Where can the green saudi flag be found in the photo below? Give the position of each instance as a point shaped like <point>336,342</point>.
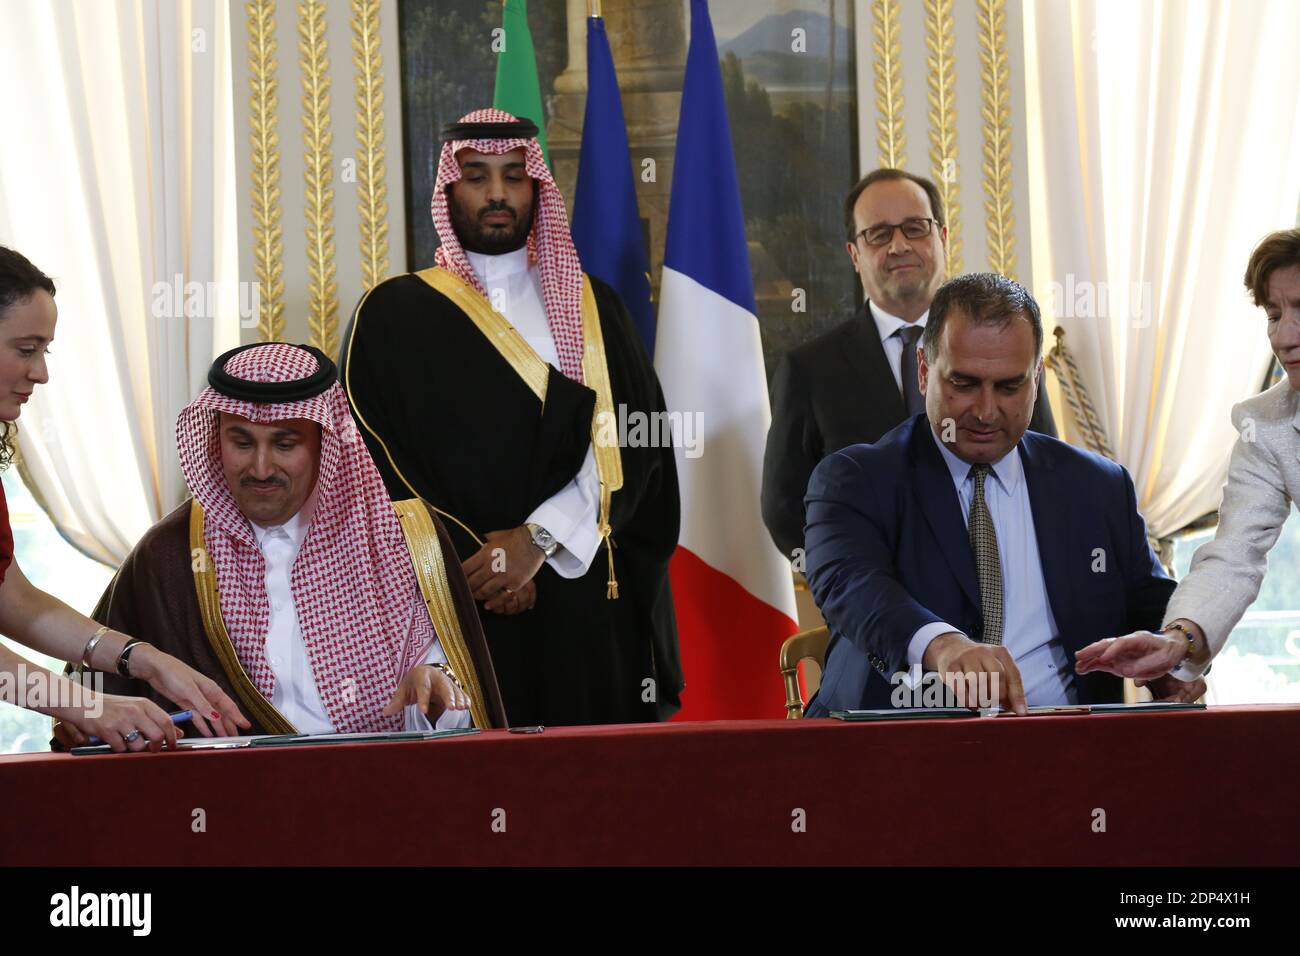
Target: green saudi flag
<point>517,88</point>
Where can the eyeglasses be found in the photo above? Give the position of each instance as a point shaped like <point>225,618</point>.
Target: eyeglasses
<point>880,234</point>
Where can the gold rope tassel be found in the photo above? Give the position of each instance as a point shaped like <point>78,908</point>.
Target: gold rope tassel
<point>607,535</point>
<point>1091,430</point>
<point>611,588</point>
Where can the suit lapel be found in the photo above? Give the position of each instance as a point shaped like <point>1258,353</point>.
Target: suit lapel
<point>868,364</point>
<point>942,508</point>
<point>1052,530</point>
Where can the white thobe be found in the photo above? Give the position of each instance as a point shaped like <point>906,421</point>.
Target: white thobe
<point>572,514</point>
<point>296,694</point>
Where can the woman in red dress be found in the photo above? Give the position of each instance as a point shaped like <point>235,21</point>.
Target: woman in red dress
<point>43,622</point>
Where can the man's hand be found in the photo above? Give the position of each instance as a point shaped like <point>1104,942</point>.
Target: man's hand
<point>192,691</point>
<point>1172,689</point>
<point>432,690</point>
<point>956,658</point>
<point>514,552</point>
<point>1141,655</point>
<point>513,602</point>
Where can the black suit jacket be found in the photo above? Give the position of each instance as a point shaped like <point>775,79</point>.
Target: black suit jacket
<point>834,391</point>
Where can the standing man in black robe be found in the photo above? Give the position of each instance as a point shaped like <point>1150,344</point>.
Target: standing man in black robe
<point>493,386</point>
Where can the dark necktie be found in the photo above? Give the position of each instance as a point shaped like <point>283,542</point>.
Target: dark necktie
<point>988,565</point>
<point>912,397</point>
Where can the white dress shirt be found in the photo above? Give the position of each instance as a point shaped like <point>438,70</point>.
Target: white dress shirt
<point>887,326</point>
<point>296,694</point>
<point>572,514</point>
<point>1029,629</point>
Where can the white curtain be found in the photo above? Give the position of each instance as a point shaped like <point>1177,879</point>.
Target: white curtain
<point>1164,142</point>
<point>117,180</point>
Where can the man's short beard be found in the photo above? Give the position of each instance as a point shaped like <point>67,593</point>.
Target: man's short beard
<point>489,240</point>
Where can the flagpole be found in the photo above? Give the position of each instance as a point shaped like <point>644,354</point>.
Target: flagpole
<point>593,8</point>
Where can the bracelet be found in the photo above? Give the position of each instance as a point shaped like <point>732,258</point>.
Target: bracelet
<point>1191,638</point>
<point>451,675</point>
<point>1183,671</point>
<point>124,659</point>
<point>92,644</point>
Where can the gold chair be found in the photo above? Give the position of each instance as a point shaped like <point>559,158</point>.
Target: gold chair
<point>804,646</point>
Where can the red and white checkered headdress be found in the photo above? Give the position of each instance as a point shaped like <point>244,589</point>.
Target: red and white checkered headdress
<point>359,606</point>
<point>550,244</point>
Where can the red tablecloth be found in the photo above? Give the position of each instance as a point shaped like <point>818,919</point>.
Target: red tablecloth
<point>1219,787</point>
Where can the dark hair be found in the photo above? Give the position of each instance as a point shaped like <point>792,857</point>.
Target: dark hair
<point>1275,251</point>
<point>987,299</point>
<point>885,174</point>
<point>19,280</point>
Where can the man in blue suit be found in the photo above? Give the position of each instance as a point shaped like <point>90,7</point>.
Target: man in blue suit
<point>962,545</point>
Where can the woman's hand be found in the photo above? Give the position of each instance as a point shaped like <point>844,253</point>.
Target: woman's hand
<point>190,690</point>
<point>1141,655</point>
<point>124,723</point>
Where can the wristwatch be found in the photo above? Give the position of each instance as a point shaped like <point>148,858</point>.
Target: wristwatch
<point>124,659</point>
<point>451,675</point>
<point>543,539</point>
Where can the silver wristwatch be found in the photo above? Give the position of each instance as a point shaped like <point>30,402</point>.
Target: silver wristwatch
<point>543,539</point>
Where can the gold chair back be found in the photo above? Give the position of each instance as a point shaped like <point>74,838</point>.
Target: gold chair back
<point>804,646</point>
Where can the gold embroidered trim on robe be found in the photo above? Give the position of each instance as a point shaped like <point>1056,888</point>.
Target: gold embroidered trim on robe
<point>496,328</point>
<point>604,423</point>
<point>431,573</point>
<point>535,371</point>
<point>205,585</point>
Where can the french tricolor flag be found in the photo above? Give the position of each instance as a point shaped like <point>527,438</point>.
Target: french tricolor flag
<point>732,588</point>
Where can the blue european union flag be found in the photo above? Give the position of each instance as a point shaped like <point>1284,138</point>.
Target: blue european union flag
<point>606,221</point>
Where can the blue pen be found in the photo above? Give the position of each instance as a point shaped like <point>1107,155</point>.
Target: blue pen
<point>177,718</point>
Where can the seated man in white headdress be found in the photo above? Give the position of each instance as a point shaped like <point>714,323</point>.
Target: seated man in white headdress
<point>290,578</point>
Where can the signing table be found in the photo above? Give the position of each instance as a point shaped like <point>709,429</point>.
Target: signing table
<point>1217,787</point>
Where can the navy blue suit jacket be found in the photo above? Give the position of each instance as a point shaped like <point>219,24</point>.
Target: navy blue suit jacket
<point>888,552</point>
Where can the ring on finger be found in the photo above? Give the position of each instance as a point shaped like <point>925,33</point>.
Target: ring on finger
<point>132,737</point>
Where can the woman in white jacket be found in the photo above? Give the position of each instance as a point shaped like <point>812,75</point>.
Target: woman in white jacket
<point>1263,479</point>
